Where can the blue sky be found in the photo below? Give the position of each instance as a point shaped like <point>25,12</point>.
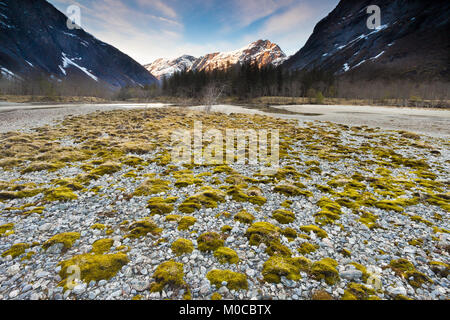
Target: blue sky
<point>151,29</point>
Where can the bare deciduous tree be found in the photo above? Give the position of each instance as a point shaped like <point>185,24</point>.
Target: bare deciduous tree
<point>211,94</point>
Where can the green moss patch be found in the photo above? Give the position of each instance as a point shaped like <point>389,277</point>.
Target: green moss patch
<point>289,233</point>
<point>161,206</point>
<point>283,216</point>
<point>208,198</point>
<point>168,273</point>
<point>406,269</point>
<point>291,190</point>
<point>278,266</point>
<point>182,246</point>
<point>106,168</point>
<point>102,246</point>
<point>235,280</point>
<point>186,222</point>
<point>318,231</point>
<point>93,267</point>
<point>67,239</point>
<point>357,291</point>
<point>226,255</point>
<point>307,248</point>
<point>6,228</point>
<point>325,269</point>
<point>262,232</point>
<point>209,241</point>
<point>152,186</point>
<point>142,228</point>
<point>16,250</point>
<point>244,217</point>
<point>60,194</point>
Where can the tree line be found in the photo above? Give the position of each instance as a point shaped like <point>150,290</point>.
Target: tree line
<point>248,81</point>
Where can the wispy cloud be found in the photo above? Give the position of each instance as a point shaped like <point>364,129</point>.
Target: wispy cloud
<point>289,20</point>
<point>159,6</point>
<point>151,29</point>
<point>247,12</point>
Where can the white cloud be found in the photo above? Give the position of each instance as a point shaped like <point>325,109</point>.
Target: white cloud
<point>151,29</point>
<point>289,20</point>
<point>244,13</point>
<point>160,6</point>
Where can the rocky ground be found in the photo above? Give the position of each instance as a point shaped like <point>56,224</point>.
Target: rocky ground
<point>93,208</point>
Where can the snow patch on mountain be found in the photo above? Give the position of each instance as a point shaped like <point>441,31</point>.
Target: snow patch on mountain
<point>67,62</point>
<point>161,68</point>
<point>263,52</point>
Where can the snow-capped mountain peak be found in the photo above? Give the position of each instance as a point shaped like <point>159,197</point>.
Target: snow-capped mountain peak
<point>166,67</point>
<point>263,52</point>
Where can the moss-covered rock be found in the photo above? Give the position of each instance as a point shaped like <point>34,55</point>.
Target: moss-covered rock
<point>16,250</point>
<point>209,241</point>
<point>161,206</point>
<point>279,266</point>
<point>59,194</point>
<point>108,167</point>
<point>98,226</point>
<point>321,295</point>
<point>262,232</point>
<point>142,228</point>
<point>357,291</point>
<point>186,222</point>
<point>291,190</point>
<point>72,184</point>
<point>168,273</point>
<point>237,194</point>
<point>7,228</point>
<point>283,216</point>
<point>318,231</point>
<point>369,219</point>
<point>67,239</point>
<point>289,233</point>
<point>325,269</point>
<point>416,278</point>
<point>440,268</point>
<point>226,255</point>
<point>216,296</point>
<point>226,229</point>
<point>276,248</point>
<point>234,280</point>
<point>185,178</point>
<point>41,166</point>
<point>93,267</point>
<point>102,246</point>
<point>208,197</point>
<point>152,186</point>
<point>182,246</point>
<point>400,266</point>
<point>256,196</point>
<point>244,217</point>
<point>307,248</point>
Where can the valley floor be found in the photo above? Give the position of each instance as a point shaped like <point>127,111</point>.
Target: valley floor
<point>353,212</point>
<point>432,122</point>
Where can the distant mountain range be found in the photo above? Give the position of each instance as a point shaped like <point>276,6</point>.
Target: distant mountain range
<point>262,52</point>
<point>36,43</point>
<point>411,42</point>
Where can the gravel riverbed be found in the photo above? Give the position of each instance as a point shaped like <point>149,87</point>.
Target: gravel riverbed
<point>380,196</point>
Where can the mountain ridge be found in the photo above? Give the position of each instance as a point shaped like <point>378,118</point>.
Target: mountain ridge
<point>263,52</point>
<point>342,44</point>
<point>36,43</point>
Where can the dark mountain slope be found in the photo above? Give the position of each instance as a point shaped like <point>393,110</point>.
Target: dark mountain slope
<point>411,43</point>
<point>36,43</point>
